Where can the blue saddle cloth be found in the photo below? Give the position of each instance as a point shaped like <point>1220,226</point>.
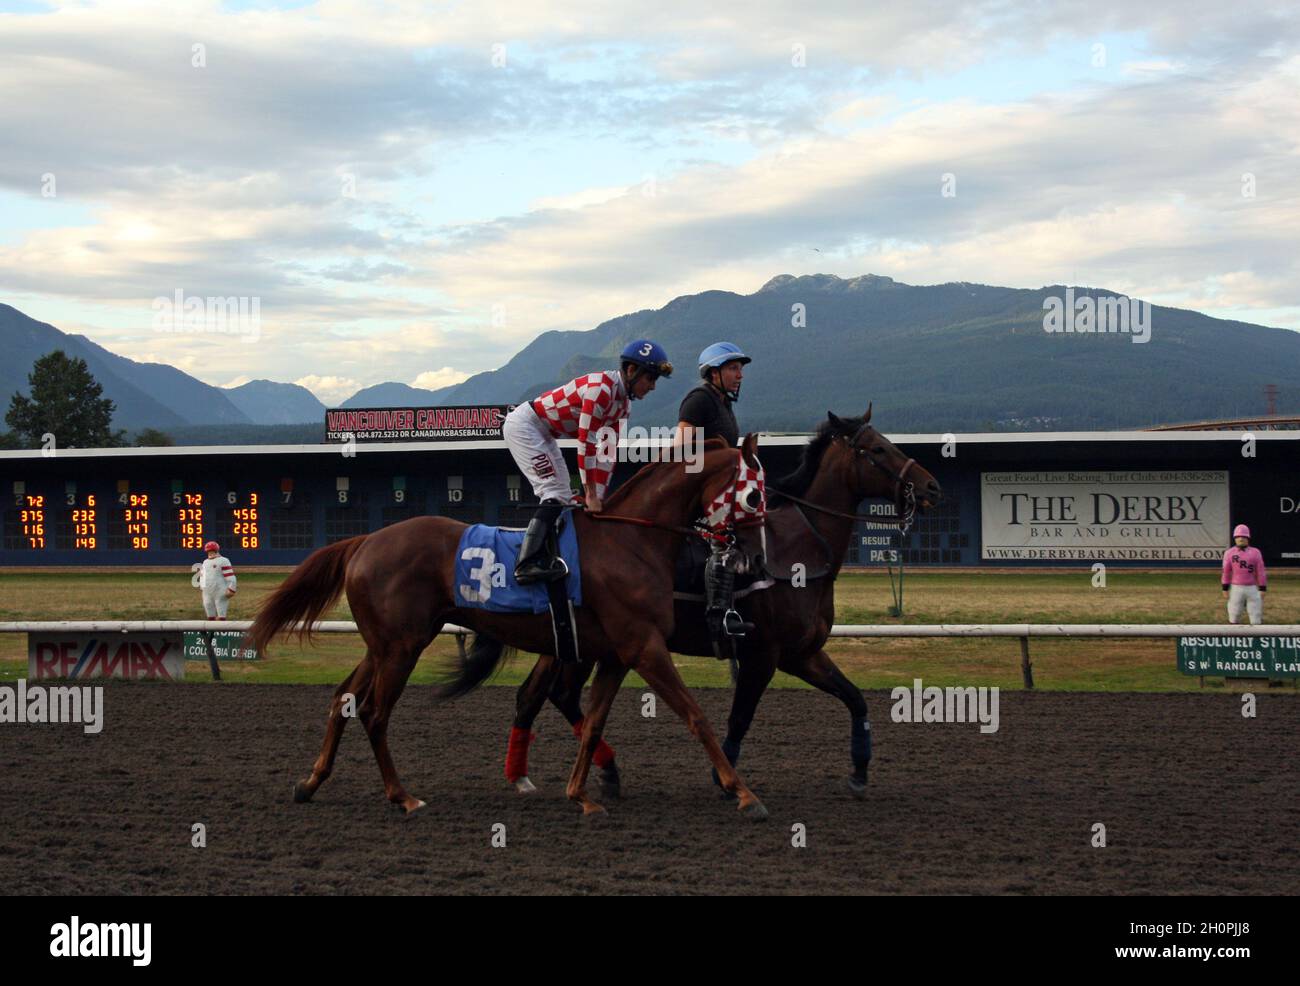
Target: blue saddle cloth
<point>485,570</point>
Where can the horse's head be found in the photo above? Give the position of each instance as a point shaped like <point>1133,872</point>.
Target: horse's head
<point>733,494</point>
<point>679,491</point>
<point>878,468</point>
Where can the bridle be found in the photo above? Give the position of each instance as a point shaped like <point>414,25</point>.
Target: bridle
<point>904,496</point>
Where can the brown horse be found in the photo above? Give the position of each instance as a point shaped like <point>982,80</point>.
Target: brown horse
<point>844,463</point>
<point>399,584</point>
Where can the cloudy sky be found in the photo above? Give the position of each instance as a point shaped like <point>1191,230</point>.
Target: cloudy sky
<point>413,191</point>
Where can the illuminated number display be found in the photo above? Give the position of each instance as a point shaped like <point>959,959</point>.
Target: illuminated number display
<point>242,525</point>
<point>190,520</point>
<point>136,518</point>
<point>81,530</point>
<point>129,524</point>
<point>182,525</point>
<point>25,523</point>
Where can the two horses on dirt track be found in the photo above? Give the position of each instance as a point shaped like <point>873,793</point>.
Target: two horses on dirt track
<point>399,585</point>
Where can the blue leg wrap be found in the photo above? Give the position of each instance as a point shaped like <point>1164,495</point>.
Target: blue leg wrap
<point>860,743</point>
<point>732,749</point>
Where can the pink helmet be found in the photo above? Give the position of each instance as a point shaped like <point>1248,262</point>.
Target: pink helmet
<point>213,546</point>
<point>1241,531</point>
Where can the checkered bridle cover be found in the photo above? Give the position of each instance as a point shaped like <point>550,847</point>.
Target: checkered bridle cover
<point>727,509</point>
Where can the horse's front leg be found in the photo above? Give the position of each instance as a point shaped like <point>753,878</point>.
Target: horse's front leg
<point>609,675</point>
<point>821,672</point>
<point>757,665</point>
<point>566,695</point>
<point>655,665</point>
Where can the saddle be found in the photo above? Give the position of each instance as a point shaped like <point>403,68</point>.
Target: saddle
<point>789,540</point>
<point>792,540</point>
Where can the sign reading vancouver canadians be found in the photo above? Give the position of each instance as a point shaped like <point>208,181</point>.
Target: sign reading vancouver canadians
<point>1105,516</point>
<point>412,424</point>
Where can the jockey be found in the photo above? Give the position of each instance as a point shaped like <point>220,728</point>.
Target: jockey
<point>706,410</point>
<point>580,409</point>
<point>708,406</point>
<point>1244,578</point>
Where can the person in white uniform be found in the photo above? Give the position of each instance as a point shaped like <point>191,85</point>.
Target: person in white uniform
<point>217,582</point>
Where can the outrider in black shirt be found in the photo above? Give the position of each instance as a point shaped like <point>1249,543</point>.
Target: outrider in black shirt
<point>705,407</point>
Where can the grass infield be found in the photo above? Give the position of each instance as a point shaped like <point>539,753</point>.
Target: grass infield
<point>931,597</point>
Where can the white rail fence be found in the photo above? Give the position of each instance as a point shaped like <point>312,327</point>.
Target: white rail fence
<point>1022,631</point>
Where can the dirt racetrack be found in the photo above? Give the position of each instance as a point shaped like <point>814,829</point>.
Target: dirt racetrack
<point>1194,797</point>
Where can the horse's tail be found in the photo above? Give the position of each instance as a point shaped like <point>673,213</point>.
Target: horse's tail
<point>474,668</point>
<point>312,588</point>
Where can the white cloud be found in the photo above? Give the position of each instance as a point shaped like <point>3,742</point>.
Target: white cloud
<point>329,390</point>
<point>434,379</point>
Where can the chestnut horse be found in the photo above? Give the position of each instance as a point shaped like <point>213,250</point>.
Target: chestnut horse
<point>845,462</point>
<point>399,584</point>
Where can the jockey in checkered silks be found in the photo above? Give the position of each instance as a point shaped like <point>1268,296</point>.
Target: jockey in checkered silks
<point>580,409</point>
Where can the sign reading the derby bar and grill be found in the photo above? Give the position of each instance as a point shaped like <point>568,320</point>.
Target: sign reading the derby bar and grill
<point>1104,516</point>
<point>413,424</point>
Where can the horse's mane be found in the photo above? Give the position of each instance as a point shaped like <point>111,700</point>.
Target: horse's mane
<point>638,478</point>
<point>798,481</point>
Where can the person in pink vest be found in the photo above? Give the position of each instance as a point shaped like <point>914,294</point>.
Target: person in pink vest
<point>1244,578</point>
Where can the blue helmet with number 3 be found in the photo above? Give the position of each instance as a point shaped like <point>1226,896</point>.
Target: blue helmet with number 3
<point>648,354</point>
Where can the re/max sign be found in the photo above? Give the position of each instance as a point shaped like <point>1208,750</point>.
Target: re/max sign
<point>152,657</point>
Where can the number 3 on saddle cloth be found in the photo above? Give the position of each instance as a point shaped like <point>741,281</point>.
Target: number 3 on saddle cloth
<point>484,579</point>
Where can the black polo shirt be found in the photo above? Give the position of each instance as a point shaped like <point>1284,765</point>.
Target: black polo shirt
<point>708,408</point>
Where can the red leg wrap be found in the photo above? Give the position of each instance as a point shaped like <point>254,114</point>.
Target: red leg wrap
<point>604,754</point>
<point>517,753</point>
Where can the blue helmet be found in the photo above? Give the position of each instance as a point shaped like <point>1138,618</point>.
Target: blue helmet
<point>648,354</point>
<point>718,354</point>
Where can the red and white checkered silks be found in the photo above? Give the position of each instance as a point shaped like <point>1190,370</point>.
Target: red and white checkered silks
<point>580,409</point>
<point>728,508</point>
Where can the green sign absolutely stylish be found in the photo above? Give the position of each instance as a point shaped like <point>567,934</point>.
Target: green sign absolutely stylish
<point>225,644</point>
<point>1245,657</point>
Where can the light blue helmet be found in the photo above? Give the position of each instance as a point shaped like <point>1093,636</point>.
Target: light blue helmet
<point>718,354</point>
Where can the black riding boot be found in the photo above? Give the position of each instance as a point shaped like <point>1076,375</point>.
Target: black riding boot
<point>720,612</point>
<point>537,559</point>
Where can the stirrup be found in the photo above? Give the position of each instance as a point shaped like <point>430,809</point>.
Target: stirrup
<point>536,570</point>
<point>734,625</point>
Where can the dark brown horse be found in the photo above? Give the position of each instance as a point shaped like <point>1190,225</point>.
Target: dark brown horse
<point>399,584</point>
<point>846,462</point>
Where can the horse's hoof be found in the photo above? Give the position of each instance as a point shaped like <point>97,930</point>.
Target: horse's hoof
<point>524,786</point>
<point>755,812</point>
<point>611,785</point>
<point>858,788</point>
<point>591,809</point>
<point>411,809</point>
<point>301,793</point>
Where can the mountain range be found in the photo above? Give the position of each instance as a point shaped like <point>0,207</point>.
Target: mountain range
<point>948,357</point>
